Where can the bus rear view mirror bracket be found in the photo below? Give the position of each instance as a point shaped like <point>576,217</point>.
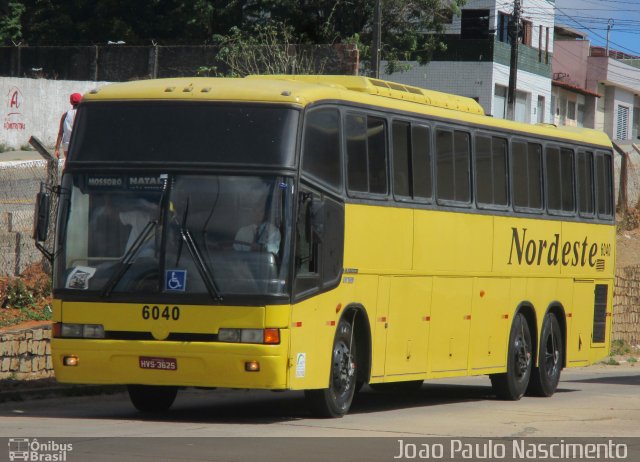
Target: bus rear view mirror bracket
<point>42,214</point>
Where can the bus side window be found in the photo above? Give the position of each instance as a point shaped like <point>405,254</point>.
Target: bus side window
<point>559,176</point>
<point>321,147</point>
<point>411,161</point>
<point>603,185</point>
<point>319,243</point>
<point>526,160</point>
<point>585,183</point>
<point>366,154</point>
<point>453,165</point>
<point>491,170</point>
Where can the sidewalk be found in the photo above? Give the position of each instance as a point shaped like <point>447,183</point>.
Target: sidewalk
<point>17,156</point>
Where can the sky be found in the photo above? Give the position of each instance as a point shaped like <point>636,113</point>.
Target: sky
<point>592,17</point>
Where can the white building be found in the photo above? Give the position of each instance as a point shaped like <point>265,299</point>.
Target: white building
<point>476,62</point>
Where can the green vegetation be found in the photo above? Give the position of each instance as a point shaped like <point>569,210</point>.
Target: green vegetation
<point>173,22</point>
<point>610,361</point>
<point>619,348</point>
<point>27,298</point>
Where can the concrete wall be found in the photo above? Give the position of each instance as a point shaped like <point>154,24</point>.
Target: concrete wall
<point>34,107</point>
<point>570,57</point>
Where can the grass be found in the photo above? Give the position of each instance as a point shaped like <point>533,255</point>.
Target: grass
<point>620,348</point>
<point>610,361</point>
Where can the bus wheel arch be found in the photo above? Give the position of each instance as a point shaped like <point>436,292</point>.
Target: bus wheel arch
<point>551,353</point>
<point>350,365</point>
<point>512,385</point>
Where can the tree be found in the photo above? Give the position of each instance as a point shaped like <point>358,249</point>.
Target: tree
<point>410,28</point>
<point>10,21</point>
<point>267,49</point>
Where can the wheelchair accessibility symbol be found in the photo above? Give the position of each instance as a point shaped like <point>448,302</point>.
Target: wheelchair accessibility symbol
<point>175,280</point>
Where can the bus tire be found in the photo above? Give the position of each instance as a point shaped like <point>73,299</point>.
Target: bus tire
<point>335,401</point>
<point>512,385</point>
<point>152,398</point>
<point>545,377</point>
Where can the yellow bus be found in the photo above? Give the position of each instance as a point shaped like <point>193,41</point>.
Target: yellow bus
<point>320,233</point>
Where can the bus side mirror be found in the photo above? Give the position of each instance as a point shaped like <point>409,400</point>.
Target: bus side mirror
<point>41,216</point>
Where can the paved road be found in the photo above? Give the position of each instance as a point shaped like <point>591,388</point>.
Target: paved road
<point>599,401</point>
<point>595,401</point>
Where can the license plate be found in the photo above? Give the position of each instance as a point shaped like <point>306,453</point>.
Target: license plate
<point>164,364</point>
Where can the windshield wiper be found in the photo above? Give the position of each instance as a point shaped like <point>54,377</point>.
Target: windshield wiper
<point>128,258</point>
<point>196,255</point>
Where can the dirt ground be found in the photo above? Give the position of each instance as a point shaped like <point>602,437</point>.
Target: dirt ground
<point>628,248</point>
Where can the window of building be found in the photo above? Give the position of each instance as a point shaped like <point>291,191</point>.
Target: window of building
<point>475,24</point>
<point>500,102</point>
<point>527,32</point>
<point>585,183</point>
<point>503,27</point>
<point>571,110</point>
<point>526,162</point>
<point>321,147</point>
<point>622,130</point>
<point>491,170</point>
<point>580,115</point>
<point>366,154</point>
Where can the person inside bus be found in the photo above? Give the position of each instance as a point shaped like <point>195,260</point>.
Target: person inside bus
<point>261,235</point>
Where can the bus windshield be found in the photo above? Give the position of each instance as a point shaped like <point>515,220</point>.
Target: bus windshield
<point>203,235</point>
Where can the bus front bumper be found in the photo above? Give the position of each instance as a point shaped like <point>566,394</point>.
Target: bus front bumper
<point>198,364</point>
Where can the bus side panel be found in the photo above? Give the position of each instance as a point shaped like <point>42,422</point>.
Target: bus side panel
<point>450,325</point>
<point>313,326</point>
<point>408,327</point>
<point>452,242</point>
<point>581,323</point>
<point>378,238</point>
<point>490,324</point>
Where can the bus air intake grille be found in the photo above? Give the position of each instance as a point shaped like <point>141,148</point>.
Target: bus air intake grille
<point>173,337</point>
<point>600,313</point>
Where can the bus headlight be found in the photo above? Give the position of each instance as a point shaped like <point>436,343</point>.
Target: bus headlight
<point>66,330</point>
<point>268,336</point>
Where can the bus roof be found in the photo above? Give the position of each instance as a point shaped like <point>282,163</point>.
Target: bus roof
<point>303,90</point>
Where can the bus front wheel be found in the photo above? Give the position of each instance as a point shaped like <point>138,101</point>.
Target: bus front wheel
<point>335,401</point>
<point>512,385</point>
<point>545,377</point>
<point>148,398</point>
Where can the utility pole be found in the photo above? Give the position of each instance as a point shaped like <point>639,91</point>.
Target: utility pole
<point>514,35</point>
<point>609,27</point>
<point>377,40</point>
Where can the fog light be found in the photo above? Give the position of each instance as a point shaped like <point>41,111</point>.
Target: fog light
<point>252,366</point>
<point>70,360</point>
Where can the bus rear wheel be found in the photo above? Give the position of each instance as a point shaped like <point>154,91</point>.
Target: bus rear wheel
<point>335,401</point>
<point>545,377</point>
<point>151,398</point>
<point>512,385</point>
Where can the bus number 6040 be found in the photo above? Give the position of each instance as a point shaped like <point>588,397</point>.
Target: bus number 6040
<point>155,312</point>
